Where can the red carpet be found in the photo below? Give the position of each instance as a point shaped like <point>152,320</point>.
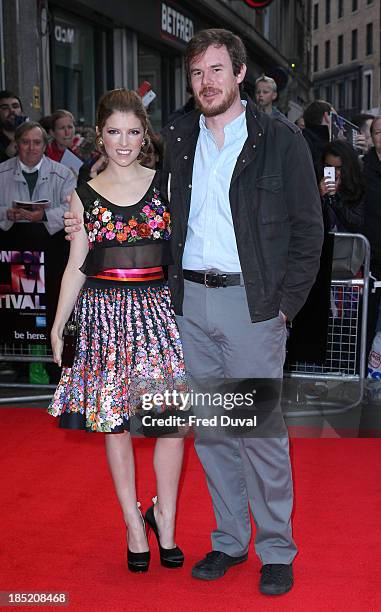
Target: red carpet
<point>61,528</point>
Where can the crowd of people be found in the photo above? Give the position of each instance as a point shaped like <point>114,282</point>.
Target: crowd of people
<point>234,208</point>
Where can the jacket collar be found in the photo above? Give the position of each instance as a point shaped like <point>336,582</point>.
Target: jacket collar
<point>371,159</point>
<point>43,172</point>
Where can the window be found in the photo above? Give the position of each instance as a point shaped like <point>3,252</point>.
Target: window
<point>317,93</point>
<point>340,9</point>
<point>316,16</point>
<point>368,91</point>
<point>369,1</point>
<point>340,48</point>
<point>316,58</point>
<point>354,45</point>
<point>327,11</point>
<point>328,94</point>
<point>74,52</point>
<point>369,38</point>
<point>353,93</point>
<point>327,53</point>
<point>341,95</point>
<point>354,5</point>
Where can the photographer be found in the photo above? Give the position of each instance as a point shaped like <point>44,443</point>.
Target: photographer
<point>11,116</point>
<point>343,200</point>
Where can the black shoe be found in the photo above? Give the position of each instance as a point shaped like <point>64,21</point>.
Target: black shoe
<point>169,557</point>
<point>276,579</point>
<point>215,565</point>
<point>138,562</point>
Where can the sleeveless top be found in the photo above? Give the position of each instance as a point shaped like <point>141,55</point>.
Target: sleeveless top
<point>135,236</point>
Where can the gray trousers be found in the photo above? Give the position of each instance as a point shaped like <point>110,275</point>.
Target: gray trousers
<point>220,341</point>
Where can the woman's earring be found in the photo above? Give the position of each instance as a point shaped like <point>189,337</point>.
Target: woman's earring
<point>143,144</point>
<point>100,142</point>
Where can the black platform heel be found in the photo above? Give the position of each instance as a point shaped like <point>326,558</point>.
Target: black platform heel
<point>138,562</point>
<point>169,557</point>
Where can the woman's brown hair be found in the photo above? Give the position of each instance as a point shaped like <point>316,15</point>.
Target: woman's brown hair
<point>60,114</point>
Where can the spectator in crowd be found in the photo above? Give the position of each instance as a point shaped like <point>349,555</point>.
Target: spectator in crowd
<point>31,176</point>
<point>265,94</point>
<point>364,139</point>
<point>372,219</point>
<point>343,203</point>
<point>46,123</point>
<point>300,122</point>
<point>185,109</point>
<point>154,155</point>
<point>316,131</point>
<point>62,131</point>
<point>343,200</point>
<point>11,115</point>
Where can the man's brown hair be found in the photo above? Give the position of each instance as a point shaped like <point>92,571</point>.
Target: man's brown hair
<point>216,37</point>
<point>26,127</point>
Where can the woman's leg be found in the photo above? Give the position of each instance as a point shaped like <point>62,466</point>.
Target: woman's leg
<point>120,458</point>
<point>168,459</point>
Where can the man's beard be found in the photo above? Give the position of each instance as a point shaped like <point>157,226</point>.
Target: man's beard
<point>225,104</point>
<point>8,124</point>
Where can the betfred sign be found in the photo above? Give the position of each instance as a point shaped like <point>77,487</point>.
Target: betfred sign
<point>257,5</point>
<point>176,24</point>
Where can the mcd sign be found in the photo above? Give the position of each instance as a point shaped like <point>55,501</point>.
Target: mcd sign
<point>258,5</point>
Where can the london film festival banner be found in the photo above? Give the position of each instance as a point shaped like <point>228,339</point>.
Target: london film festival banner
<point>31,268</point>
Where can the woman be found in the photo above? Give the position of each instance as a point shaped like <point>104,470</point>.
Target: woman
<point>342,199</point>
<point>342,202</point>
<point>62,131</point>
<point>128,341</point>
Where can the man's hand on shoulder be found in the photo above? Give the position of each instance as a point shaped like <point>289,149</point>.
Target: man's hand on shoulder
<point>72,224</point>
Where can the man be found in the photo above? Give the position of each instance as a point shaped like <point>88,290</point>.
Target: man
<point>372,222</point>
<point>30,176</point>
<point>11,116</point>
<point>265,94</point>
<point>247,234</point>
<point>316,131</point>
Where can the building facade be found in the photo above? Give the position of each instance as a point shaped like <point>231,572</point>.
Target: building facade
<point>66,53</point>
<point>346,54</point>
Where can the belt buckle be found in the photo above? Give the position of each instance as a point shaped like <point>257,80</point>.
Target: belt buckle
<point>218,280</point>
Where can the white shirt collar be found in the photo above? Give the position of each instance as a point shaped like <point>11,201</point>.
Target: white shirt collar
<point>29,169</point>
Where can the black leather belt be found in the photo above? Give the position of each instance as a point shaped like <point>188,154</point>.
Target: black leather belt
<point>212,279</point>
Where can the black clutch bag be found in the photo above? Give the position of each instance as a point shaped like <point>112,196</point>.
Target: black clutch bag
<point>69,336</point>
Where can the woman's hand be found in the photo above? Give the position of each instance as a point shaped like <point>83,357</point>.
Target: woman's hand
<point>57,346</point>
<point>328,187</point>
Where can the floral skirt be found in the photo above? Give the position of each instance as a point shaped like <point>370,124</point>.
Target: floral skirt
<point>128,345</point>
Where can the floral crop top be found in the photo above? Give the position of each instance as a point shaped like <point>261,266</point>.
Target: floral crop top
<point>143,229</point>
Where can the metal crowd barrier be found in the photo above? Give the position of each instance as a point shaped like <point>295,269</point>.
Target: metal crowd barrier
<point>346,358</point>
<point>23,354</point>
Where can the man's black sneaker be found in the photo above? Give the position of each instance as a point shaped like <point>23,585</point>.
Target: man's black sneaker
<point>215,565</point>
<point>276,579</point>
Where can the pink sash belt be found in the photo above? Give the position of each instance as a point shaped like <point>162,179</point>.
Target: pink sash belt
<point>131,274</point>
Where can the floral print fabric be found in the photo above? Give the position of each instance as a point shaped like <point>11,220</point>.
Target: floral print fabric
<point>128,345</point>
<point>152,221</point>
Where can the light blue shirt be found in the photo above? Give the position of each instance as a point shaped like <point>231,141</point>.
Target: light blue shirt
<point>211,241</point>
